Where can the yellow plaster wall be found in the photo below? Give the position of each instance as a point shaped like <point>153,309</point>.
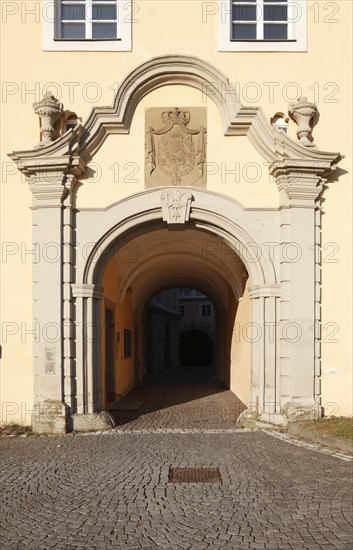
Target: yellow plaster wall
<point>234,168</point>
<point>124,318</point>
<point>240,350</point>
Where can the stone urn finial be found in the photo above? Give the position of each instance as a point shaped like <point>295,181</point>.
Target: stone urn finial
<point>50,110</point>
<point>302,112</point>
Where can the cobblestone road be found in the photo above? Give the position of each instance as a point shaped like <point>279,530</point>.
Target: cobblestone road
<point>112,491</point>
<point>187,399</point>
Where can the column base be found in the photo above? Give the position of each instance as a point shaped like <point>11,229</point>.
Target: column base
<point>51,417</point>
<point>92,422</point>
<point>296,411</point>
<point>276,419</point>
<point>291,412</point>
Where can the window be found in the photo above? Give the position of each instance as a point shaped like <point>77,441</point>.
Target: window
<point>127,343</point>
<point>69,121</point>
<point>206,310</point>
<point>280,121</point>
<point>87,25</point>
<point>182,310</point>
<point>262,25</point>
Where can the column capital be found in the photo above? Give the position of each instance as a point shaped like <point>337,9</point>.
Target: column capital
<point>301,180</point>
<point>84,290</point>
<point>264,291</point>
<point>52,172</point>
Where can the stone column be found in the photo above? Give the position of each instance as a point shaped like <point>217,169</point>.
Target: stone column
<point>51,411</point>
<point>265,353</point>
<point>87,299</point>
<point>53,183</point>
<point>299,186</point>
<point>68,275</point>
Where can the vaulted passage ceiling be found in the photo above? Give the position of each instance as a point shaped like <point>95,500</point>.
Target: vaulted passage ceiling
<point>163,259</point>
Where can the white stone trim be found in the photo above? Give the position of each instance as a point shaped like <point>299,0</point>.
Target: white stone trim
<point>87,291</point>
<point>264,291</point>
<point>211,212</point>
<point>50,44</point>
<point>298,31</point>
<point>238,120</point>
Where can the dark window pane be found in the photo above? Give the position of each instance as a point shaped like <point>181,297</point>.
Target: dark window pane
<point>247,1</point>
<point>275,32</point>
<point>73,13</point>
<point>244,13</point>
<point>276,13</point>
<point>243,32</point>
<point>274,1</point>
<point>102,30</point>
<point>73,31</point>
<point>127,343</point>
<point>104,12</point>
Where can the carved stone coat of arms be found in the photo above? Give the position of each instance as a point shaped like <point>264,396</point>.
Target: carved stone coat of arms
<point>175,153</point>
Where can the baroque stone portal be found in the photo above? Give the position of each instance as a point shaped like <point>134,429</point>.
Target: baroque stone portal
<point>175,154</point>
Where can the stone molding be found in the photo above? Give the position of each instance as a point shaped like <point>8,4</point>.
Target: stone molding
<point>268,140</point>
<point>301,180</point>
<point>87,291</point>
<point>50,178</point>
<point>210,211</point>
<point>264,291</point>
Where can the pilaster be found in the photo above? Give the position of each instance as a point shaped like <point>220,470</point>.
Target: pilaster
<point>264,299</point>
<point>53,183</point>
<point>300,184</point>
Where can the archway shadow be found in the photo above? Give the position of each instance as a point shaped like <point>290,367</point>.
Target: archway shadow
<point>180,398</point>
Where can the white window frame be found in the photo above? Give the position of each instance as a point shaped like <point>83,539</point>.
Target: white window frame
<point>297,30</point>
<point>51,20</point>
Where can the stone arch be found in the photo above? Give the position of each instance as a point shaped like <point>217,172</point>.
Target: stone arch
<point>218,214</point>
<point>198,73</point>
<point>209,214</point>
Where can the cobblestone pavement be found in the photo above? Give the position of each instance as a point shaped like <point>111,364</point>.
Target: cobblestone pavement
<point>187,399</point>
<point>112,491</point>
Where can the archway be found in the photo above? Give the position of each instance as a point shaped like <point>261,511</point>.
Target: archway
<point>140,280</point>
<point>190,259</point>
<point>209,293</point>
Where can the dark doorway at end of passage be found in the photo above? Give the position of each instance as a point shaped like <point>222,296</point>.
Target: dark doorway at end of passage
<point>195,349</point>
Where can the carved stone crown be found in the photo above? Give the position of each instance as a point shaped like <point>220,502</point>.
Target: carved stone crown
<point>176,116</point>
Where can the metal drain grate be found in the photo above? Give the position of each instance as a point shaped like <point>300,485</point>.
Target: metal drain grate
<point>194,475</point>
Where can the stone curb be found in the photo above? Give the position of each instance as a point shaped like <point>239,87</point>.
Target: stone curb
<point>322,439</point>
